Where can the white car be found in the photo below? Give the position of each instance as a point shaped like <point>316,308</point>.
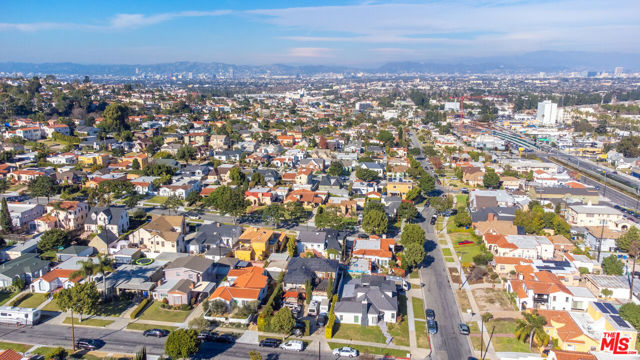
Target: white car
<point>293,345</point>
<point>345,351</point>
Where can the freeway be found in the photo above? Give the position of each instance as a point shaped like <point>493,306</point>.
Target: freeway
<point>127,341</point>
<point>438,294</point>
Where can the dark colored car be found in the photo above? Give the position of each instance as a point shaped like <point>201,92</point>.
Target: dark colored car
<point>88,344</point>
<point>205,336</point>
<point>431,315</point>
<point>433,220</point>
<point>322,319</point>
<point>298,330</point>
<point>270,342</point>
<point>156,332</point>
<point>225,338</point>
<point>464,329</point>
<point>432,325</point>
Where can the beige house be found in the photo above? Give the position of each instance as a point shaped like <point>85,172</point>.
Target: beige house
<point>66,215</point>
<point>161,234</point>
<point>219,142</point>
<point>596,215</point>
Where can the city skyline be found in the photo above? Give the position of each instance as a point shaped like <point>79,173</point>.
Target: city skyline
<point>335,33</point>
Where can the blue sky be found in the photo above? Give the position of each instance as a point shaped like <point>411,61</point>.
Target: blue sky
<point>309,32</point>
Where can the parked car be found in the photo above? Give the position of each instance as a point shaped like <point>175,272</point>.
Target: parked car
<point>298,330</point>
<point>432,325</point>
<point>322,319</point>
<point>464,329</point>
<point>431,315</point>
<point>464,191</point>
<point>293,345</point>
<point>433,220</point>
<point>313,308</point>
<point>89,344</point>
<point>345,351</point>
<point>405,285</point>
<point>205,336</point>
<point>270,342</point>
<point>156,332</point>
<point>225,338</point>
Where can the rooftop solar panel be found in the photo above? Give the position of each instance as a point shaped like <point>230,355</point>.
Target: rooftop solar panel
<point>612,309</point>
<point>620,321</point>
<point>601,307</point>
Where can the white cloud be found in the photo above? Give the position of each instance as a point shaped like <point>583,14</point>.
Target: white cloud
<point>311,52</point>
<point>118,22</point>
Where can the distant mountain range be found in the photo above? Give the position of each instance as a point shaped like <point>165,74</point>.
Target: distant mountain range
<point>541,61</point>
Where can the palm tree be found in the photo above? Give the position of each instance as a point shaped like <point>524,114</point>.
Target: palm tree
<point>532,325</point>
<point>86,269</point>
<point>102,266</point>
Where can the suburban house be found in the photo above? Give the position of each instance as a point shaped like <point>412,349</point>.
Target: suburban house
<point>367,301</point>
<point>144,184</point>
<point>325,243</point>
<point>522,246</point>
<point>114,219</point>
<point>541,290</point>
<point>194,268</point>
<point>597,215</point>
<point>162,234</point>
<point>27,267</point>
<point>299,270</point>
<point>24,215</point>
<point>399,188</point>
<point>259,196</point>
<point>243,286</point>
<point>257,243</point>
<point>379,251</point>
<point>67,215</point>
<point>213,236</point>
<point>53,280</point>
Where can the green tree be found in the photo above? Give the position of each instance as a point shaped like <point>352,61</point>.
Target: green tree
<point>218,307</point>
<point>307,291</point>
<point>462,218</point>
<point>440,203</point>
<point>227,201</point>
<point>412,234</point>
<point>193,197</point>
<point>102,266</point>
<point>294,211</point>
<point>375,222</point>
<point>53,239</point>
<point>407,211</point>
<point>274,213</point>
<point>366,174</point>
<point>87,269</point>
<point>611,265</point>
<point>532,325</point>
<point>186,153</point>
<point>5,218</point>
<point>491,180</point>
<point>630,242</point>
<point>42,186</point>
<point>291,246</point>
<point>236,176</point>
<point>132,200</point>
<point>631,313</point>
<point>413,254</point>
<point>173,202</point>
<point>283,321</point>
<point>82,298</point>
<point>182,343</point>
<point>335,169</point>
<point>257,179</point>
<point>330,287</point>
<point>426,182</point>
<point>606,293</point>
<point>386,137</point>
<point>629,146</point>
<point>135,164</point>
<point>115,118</point>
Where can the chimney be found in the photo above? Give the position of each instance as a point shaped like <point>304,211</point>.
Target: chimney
<point>491,217</point>
<point>520,277</point>
<point>218,224</point>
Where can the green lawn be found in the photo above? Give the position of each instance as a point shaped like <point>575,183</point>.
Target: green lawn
<point>506,326</point>
<point>156,199</point>
<point>14,346</point>
<point>372,350</point>
<point>418,308</point>
<point>88,322</point>
<point>466,251</point>
<point>461,199</point>
<point>360,333</point>
<point>449,259</point>
<point>155,312</point>
<point>6,296</point>
<point>44,351</point>
<point>32,301</point>
<point>473,327</point>
<point>475,341</point>
<point>446,251</point>
<point>51,306</point>
<point>402,305</point>
<point>414,275</point>
<point>113,308</point>
<point>439,224</point>
<point>143,327</point>
<point>509,344</point>
<point>421,334</point>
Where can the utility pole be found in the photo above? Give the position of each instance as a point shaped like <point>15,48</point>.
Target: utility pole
<point>489,343</point>
<point>600,240</point>
<point>482,335</point>
<point>604,192</point>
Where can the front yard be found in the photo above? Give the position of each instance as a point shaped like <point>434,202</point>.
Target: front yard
<point>6,296</point>
<point>14,346</point>
<point>143,327</point>
<point>155,312</point>
<point>33,300</point>
<point>421,334</point>
<point>359,333</point>
<point>418,308</point>
<point>492,300</point>
<point>113,308</point>
<point>88,322</point>
<point>400,332</point>
<point>466,251</point>
<point>510,344</point>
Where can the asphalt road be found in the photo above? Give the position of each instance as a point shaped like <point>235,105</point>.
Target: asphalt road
<point>126,341</point>
<point>438,295</point>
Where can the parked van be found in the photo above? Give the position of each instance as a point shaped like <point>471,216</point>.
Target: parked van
<point>313,308</point>
<point>293,345</point>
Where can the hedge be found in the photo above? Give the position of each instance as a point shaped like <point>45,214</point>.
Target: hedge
<point>140,307</point>
<point>328,330</point>
<point>307,328</point>
<point>20,299</point>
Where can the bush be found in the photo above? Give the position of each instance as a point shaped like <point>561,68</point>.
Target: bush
<point>20,299</point>
<point>140,307</point>
<point>185,307</point>
<point>262,322</point>
<point>58,353</point>
<point>307,328</point>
